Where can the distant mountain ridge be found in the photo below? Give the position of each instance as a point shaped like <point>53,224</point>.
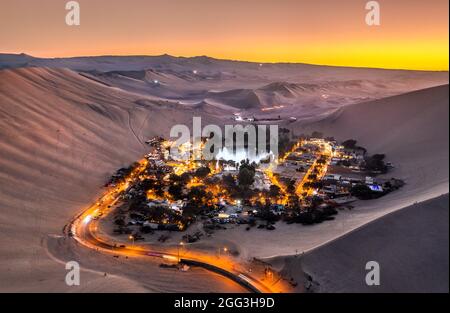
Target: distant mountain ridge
<point>142,62</point>
<point>281,89</point>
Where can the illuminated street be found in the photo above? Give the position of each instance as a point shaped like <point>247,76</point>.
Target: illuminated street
<point>297,183</point>
<point>84,230</point>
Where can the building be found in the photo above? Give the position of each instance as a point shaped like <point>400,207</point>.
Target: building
<point>334,177</point>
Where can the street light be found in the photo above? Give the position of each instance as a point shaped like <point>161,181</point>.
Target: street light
<point>225,249</point>
<point>179,246</point>
<point>268,273</point>
<point>131,237</point>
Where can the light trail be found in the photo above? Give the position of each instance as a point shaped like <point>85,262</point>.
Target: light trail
<point>84,230</point>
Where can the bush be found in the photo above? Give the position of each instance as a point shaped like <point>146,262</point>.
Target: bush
<point>176,191</point>
<point>376,163</point>
<point>274,191</point>
<point>349,144</point>
<point>197,195</point>
<point>185,178</point>
<point>246,177</point>
<point>202,172</point>
<point>362,192</point>
<point>228,181</point>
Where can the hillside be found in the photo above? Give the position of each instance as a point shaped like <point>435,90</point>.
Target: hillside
<point>411,129</point>
<point>302,90</point>
<point>61,136</point>
<point>410,245</point>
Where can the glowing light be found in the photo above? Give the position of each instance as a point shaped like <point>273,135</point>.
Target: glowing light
<point>170,257</point>
<point>242,155</point>
<point>87,219</point>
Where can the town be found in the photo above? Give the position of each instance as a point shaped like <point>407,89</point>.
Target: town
<point>314,179</point>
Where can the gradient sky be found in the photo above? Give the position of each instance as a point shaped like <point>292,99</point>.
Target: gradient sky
<point>413,33</point>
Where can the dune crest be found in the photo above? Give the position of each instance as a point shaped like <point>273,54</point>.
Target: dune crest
<point>64,132</point>
<point>61,137</point>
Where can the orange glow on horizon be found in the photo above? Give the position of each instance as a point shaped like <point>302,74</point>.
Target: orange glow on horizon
<point>413,33</point>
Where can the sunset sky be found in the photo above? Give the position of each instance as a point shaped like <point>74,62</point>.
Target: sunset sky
<point>413,33</point>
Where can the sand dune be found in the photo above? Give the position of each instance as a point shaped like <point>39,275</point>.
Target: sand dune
<point>411,247</point>
<point>412,130</point>
<point>210,65</point>
<point>62,135</point>
<point>304,89</point>
<point>237,98</point>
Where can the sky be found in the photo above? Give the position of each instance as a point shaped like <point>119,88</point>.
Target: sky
<point>413,33</point>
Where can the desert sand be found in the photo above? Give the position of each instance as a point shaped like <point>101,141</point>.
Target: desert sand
<point>61,137</point>
<point>303,89</point>
<point>63,133</point>
<point>412,130</point>
<point>410,245</point>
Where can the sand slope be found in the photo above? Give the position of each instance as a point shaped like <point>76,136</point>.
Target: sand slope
<point>410,245</point>
<point>412,130</point>
<point>303,89</point>
<point>61,136</point>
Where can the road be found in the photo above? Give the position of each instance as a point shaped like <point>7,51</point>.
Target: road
<point>300,190</point>
<point>84,229</point>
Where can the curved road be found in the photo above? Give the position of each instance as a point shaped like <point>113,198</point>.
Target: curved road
<point>83,229</point>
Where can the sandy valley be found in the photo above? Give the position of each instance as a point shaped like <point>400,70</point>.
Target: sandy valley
<point>67,124</point>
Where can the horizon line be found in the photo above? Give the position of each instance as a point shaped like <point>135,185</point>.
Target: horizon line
<point>229,60</point>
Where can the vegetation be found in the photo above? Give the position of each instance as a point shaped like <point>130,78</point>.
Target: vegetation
<point>176,191</point>
<point>375,163</point>
<point>363,192</point>
<point>199,193</point>
<point>349,144</point>
<point>274,191</point>
<point>246,176</point>
<point>202,172</point>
